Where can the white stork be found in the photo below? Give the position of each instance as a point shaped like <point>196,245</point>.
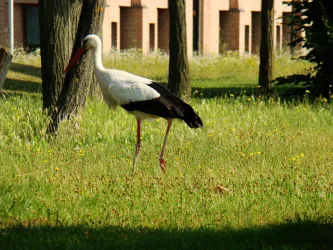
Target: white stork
<point>139,96</point>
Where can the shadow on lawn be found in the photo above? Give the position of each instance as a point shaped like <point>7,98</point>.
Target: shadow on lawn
<point>285,92</point>
<point>294,235</point>
<point>33,87</point>
<point>21,86</point>
<point>26,69</point>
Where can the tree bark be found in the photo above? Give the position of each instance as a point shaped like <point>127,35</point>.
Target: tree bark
<point>58,23</point>
<point>179,81</point>
<point>266,45</point>
<point>78,80</point>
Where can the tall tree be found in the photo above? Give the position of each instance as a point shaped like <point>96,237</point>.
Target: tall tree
<point>266,45</point>
<point>76,84</point>
<point>179,81</point>
<point>58,23</point>
<point>315,20</point>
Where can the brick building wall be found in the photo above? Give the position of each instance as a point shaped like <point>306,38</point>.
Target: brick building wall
<point>256,32</point>
<point>3,26</point>
<point>145,24</point>
<point>286,29</point>
<point>163,30</point>
<point>18,25</point>
<point>19,22</point>
<point>229,30</point>
<point>131,28</point>
<point>210,25</point>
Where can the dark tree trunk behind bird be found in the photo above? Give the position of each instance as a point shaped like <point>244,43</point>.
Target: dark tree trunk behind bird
<point>266,45</point>
<point>58,24</point>
<point>179,81</point>
<point>77,81</point>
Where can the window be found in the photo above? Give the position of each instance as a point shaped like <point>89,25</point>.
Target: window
<point>247,38</point>
<point>278,36</point>
<point>114,35</point>
<point>32,25</point>
<point>152,36</point>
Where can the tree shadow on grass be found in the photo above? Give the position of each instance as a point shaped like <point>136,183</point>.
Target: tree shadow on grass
<point>22,86</point>
<point>293,235</point>
<point>284,92</point>
<point>26,69</point>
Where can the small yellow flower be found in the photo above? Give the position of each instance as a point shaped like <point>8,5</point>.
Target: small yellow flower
<point>258,153</point>
<point>302,154</point>
<point>231,95</point>
<point>57,169</point>
<point>307,91</point>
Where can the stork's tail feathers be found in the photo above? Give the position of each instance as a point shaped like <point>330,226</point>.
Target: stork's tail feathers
<point>191,118</point>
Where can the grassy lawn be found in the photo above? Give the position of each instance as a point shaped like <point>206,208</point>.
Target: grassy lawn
<point>258,175</point>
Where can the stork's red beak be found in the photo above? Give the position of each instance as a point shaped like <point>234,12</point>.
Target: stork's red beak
<point>80,52</point>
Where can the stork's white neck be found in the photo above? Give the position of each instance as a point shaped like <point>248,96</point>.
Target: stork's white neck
<point>97,58</point>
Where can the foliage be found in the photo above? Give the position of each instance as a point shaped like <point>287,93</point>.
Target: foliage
<point>315,19</point>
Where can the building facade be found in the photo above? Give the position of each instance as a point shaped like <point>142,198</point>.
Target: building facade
<point>213,26</point>
<point>26,25</point>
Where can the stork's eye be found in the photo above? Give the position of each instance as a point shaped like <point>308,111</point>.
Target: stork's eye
<point>85,42</point>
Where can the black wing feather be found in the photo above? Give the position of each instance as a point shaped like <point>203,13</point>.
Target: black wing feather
<point>167,106</point>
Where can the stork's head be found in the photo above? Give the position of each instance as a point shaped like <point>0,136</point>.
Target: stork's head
<point>89,42</point>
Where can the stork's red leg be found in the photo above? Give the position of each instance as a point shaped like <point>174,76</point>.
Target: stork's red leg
<point>138,144</point>
<point>162,161</point>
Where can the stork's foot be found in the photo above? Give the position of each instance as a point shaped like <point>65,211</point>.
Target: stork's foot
<point>162,165</point>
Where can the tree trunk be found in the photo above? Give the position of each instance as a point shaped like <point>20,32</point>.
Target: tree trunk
<point>58,24</point>
<point>78,80</point>
<point>266,46</point>
<point>179,81</point>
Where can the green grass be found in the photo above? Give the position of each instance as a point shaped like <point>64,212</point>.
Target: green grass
<point>258,175</point>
